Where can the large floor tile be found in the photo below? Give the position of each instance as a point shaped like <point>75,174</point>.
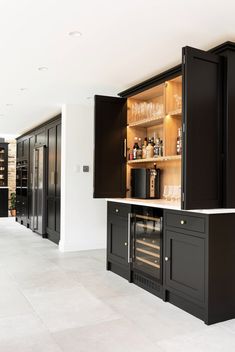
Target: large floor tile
<point>117,336</point>
<point>69,308</point>
<point>13,302</point>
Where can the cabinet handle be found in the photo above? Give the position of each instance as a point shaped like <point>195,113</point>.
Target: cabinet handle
<point>125,243</point>
<point>129,259</point>
<point>183,222</point>
<point>117,211</point>
<point>125,148</point>
<point>166,259</point>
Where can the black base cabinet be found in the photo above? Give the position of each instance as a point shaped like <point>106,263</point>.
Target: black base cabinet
<point>198,253</point>
<point>117,239</point>
<point>3,202</point>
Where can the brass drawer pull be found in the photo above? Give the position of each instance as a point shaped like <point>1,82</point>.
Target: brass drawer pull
<point>117,211</point>
<point>125,243</point>
<point>183,222</point>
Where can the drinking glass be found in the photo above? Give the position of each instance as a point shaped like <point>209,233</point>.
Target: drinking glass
<point>170,192</point>
<point>165,192</point>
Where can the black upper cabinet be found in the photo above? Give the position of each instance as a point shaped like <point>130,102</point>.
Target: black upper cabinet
<point>202,118</point>
<point>110,147</point>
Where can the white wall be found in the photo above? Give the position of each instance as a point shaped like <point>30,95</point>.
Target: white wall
<point>83,219</point>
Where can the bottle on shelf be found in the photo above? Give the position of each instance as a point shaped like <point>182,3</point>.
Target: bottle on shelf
<point>157,148</point>
<point>149,149</point>
<point>135,148</point>
<point>179,142</point>
<point>144,146</point>
<point>139,150</point>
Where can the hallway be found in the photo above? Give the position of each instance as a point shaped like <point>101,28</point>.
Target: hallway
<point>52,302</point>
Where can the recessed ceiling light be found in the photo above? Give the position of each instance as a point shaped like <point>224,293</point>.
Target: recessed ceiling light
<point>9,104</point>
<point>75,34</point>
<point>23,89</point>
<point>42,68</point>
<point>2,115</point>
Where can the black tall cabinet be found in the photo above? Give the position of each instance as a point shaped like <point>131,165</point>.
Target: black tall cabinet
<point>3,179</point>
<point>48,135</point>
<point>208,166</point>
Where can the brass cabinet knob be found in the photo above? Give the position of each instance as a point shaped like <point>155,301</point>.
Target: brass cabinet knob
<point>125,243</point>
<point>183,222</point>
<point>166,259</point>
<point>116,210</point>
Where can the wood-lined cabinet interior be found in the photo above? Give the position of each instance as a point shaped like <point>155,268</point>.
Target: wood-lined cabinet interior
<point>185,102</point>
<point>156,114</point>
<point>48,135</point>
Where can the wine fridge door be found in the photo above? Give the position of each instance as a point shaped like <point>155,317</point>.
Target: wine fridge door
<point>147,239</point>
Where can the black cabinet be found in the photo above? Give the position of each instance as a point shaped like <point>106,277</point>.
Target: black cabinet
<point>199,264</point>
<point>117,239</point>
<point>53,176</point>
<point>3,164</point>
<point>110,147</point>
<point>48,135</point>
<point>208,138</point>
<point>3,202</point>
<point>202,119</point>
<point>185,264</point>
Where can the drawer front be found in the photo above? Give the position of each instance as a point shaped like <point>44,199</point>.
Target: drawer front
<point>119,209</point>
<point>187,222</point>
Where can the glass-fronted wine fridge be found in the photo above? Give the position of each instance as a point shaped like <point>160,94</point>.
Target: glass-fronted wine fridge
<point>146,244</point>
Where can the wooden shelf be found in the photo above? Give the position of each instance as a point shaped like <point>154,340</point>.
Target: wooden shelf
<point>175,112</point>
<point>152,121</point>
<point>155,160</point>
<point>148,262</point>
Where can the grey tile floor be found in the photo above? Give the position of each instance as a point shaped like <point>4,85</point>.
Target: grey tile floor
<point>66,302</point>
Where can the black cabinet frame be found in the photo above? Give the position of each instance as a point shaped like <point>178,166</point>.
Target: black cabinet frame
<point>208,84</point>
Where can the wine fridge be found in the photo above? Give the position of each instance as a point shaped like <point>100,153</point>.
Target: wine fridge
<point>146,245</point>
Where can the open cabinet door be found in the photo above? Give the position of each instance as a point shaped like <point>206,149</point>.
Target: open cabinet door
<point>110,147</point>
<point>202,130</point>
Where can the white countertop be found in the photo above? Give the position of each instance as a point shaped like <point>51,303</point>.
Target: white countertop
<point>164,204</point>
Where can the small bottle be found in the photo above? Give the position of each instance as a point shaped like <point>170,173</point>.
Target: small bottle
<point>157,148</point>
<point>161,148</point>
<point>179,142</point>
<point>144,146</point>
<point>149,150</point>
<point>135,148</point>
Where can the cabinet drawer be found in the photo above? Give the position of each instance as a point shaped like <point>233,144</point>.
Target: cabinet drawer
<point>187,222</point>
<point>119,209</point>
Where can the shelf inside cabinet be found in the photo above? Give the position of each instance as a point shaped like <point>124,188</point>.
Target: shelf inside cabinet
<point>148,122</point>
<point>155,160</point>
<point>176,113</point>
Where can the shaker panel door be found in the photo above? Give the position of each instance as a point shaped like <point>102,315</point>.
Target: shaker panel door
<point>202,137</point>
<point>110,147</point>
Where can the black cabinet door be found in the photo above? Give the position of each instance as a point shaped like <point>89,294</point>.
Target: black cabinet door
<point>202,119</point>
<point>110,147</point>
<point>19,151</point>
<point>117,248</point>
<point>185,264</point>
<point>53,181</point>
<point>25,149</point>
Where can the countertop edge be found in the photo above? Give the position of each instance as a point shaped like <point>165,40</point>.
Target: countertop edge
<point>171,206</point>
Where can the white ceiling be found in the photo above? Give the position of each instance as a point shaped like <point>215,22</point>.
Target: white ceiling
<point>122,43</point>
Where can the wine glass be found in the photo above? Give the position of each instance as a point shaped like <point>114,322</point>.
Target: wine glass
<point>170,192</point>
<point>166,192</point>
